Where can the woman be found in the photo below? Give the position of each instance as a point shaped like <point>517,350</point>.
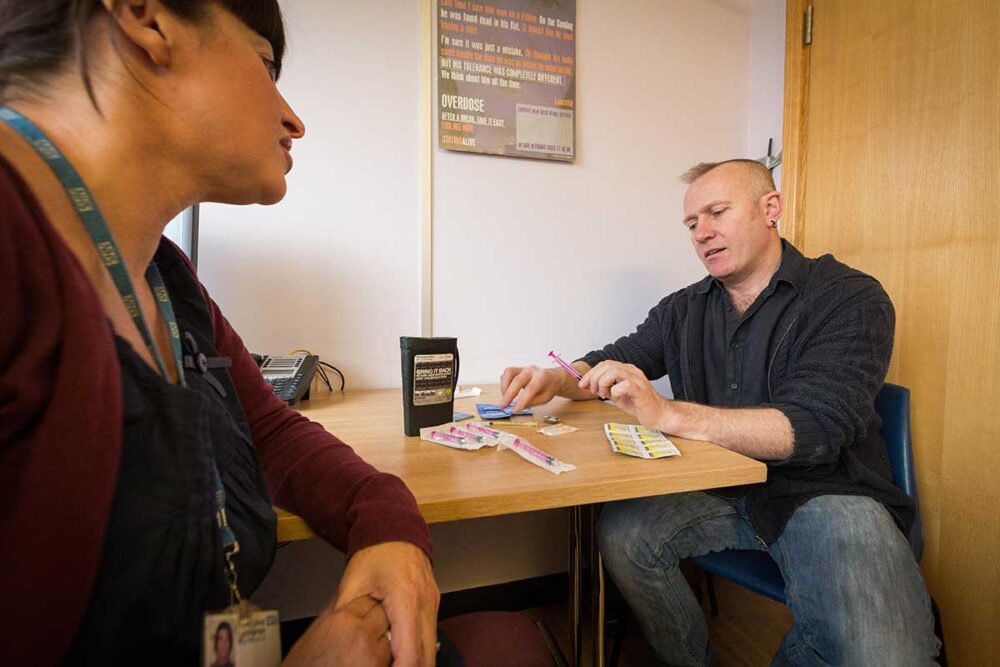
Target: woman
<point>222,643</point>
<point>123,413</point>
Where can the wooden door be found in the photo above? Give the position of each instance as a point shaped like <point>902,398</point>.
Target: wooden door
<point>892,154</point>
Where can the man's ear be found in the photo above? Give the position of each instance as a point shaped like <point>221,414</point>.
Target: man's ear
<point>142,23</point>
<point>771,204</point>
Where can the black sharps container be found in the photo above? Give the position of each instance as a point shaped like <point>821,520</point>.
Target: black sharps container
<point>430,375</point>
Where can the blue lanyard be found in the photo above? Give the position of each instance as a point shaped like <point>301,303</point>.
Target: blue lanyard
<point>93,221</point>
<point>82,200</point>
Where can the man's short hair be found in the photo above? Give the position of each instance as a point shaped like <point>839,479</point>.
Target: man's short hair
<point>757,175</point>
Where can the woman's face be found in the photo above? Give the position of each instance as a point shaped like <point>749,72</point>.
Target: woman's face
<point>223,644</point>
<point>235,128</point>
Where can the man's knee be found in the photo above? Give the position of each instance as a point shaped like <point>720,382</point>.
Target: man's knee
<point>644,531</point>
<point>853,583</point>
<point>867,546</point>
<point>623,535</point>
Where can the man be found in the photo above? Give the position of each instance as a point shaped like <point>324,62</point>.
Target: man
<point>777,357</point>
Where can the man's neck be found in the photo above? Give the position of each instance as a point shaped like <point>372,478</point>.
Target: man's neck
<point>744,291</point>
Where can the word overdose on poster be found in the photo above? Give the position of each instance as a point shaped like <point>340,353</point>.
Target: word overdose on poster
<point>507,77</point>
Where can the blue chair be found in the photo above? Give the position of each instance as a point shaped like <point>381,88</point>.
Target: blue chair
<point>757,571</point>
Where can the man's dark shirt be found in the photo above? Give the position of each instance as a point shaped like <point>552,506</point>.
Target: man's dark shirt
<point>815,346</point>
<point>736,347</point>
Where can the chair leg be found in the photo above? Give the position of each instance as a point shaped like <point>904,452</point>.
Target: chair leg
<point>939,631</point>
<point>558,659</point>
<point>616,648</point>
<point>713,602</point>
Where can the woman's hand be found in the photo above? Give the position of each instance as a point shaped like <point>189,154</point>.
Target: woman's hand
<point>352,635</point>
<point>399,575</point>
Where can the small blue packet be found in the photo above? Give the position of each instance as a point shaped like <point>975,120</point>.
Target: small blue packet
<point>493,411</point>
<point>457,416</point>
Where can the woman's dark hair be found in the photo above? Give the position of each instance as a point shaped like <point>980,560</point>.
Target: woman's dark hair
<point>36,36</point>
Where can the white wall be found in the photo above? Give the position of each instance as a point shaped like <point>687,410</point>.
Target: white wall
<point>571,256</point>
<point>580,251</point>
<point>563,256</point>
<point>767,79</point>
<point>335,266</point>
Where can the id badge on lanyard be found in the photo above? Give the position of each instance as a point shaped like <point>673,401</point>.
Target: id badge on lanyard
<point>253,633</point>
<point>243,635</point>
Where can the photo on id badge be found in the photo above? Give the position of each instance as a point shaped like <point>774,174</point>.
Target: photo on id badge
<point>219,646</point>
<point>250,640</point>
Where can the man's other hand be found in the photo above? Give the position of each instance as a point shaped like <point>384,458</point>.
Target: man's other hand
<point>629,389</point>
<point>539,385</point>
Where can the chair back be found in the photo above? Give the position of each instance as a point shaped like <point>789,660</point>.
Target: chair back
<point>893,406</point>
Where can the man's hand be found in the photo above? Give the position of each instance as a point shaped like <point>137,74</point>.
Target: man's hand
<point>629,390</point>
<point>762,433</point>
<point>399,575</point>
<point>540,385</point>
<point>352,635</point>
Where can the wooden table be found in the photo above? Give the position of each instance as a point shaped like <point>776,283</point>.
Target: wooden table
<point>450,484</point>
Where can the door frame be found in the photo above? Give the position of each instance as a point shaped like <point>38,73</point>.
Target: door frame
<point>796,118</point>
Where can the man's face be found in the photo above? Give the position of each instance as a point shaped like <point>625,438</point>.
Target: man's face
<point>728,222</point>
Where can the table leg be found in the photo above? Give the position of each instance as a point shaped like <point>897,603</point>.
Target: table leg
<point>586,573</point>
<point>596,589</point>
<point>575,581</point>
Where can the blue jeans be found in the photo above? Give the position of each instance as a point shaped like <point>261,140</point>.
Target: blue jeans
<point>851,580</point>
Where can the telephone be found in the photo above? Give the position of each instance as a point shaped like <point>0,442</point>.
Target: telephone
<point>289,375</point>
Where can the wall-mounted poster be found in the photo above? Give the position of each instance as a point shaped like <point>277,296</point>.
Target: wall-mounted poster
<point>507,77</point>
